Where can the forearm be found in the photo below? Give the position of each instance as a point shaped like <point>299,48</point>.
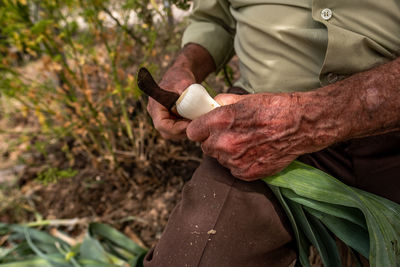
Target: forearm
<point>364,104</point>
<point>194,61</point>
<point>258,135</point>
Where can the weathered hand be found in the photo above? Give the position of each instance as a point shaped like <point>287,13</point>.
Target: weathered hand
<point>256,136</point>
<point>171,126</point>
<point>261,134</point>
<point>192,65</point>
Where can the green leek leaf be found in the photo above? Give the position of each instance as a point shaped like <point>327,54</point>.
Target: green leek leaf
<point>350,233</point>
<point>34,262</point>
<point>303,243</point>
<point>106,232</point>
<point>313,187</point>
<point>317,235</point>
<point>91,249</point>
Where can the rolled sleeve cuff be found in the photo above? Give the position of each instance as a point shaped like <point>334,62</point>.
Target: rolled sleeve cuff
<point>214,38</point>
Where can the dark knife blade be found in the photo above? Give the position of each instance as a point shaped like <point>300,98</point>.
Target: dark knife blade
<point>147,84</point>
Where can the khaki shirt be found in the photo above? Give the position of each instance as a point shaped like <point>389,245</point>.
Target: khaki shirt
<point>296,45</point>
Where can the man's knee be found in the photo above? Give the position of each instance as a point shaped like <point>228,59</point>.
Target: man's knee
<point>222,221</point>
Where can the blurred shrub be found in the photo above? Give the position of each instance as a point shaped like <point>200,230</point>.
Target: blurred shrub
<point>52,175</point>
<point>82,88</point>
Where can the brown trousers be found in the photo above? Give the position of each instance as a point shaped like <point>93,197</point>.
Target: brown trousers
<point>223,221</point>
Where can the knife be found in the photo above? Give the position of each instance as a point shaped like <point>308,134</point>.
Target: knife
<point>147,84</point>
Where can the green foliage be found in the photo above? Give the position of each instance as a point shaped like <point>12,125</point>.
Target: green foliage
<point>52,175</point>
<point>27,246</point>
<point>85,53</point>
<point>316,202</point>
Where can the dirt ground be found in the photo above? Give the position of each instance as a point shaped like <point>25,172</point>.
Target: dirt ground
<point>135,201</point>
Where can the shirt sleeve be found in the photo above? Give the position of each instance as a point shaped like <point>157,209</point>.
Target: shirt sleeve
<point>213,27</point>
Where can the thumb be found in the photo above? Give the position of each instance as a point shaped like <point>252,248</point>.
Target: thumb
<point>228,99</point>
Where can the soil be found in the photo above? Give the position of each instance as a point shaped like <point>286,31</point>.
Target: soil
<point>134,201</point>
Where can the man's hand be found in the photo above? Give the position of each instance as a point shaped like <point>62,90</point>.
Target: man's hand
<point>255,136</point>
<point>171,126</point>
<point>192,65</point>
<point>259,135</point>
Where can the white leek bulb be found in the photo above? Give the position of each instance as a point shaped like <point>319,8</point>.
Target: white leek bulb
<point>194,102</point>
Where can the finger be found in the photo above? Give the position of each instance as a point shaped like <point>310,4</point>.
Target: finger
<point>219,155</point>
<point>173,137</point>
<point>223,144</point>
<point>208,149</point>
<point>173,127</point>
<point>156,110</point>
<point>216,120</point>
<point>166,123</point>
<point>228,99</point>
<point>198,130</point>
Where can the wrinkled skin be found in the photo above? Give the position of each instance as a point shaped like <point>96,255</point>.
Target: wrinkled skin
<point>257,135</point>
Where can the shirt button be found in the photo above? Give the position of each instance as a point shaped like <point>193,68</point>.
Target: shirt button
<point>332,77</point>
<point>326,14</point>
